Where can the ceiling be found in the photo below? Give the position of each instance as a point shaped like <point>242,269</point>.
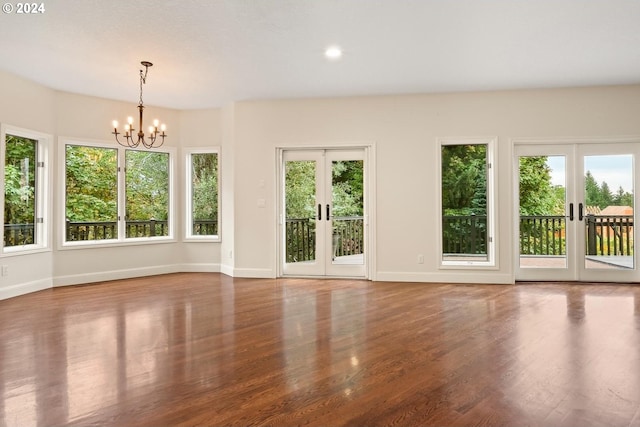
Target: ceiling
<point>208,53</point>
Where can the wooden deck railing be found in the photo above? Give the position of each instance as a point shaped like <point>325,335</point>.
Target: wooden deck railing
<point>539,235</point>
<point>542,235</point>
<point>464,234</point>
<point>19,234</point>
<point>609,234</point>
<point>348,237</point>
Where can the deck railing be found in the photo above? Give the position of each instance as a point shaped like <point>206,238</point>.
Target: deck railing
<point>18,234</point>
<point>542,235</point>
<point>539,235</point>
<point>606,235</point>
<point>348,237</point>
<point>609,234</point>
<point>464,234</point>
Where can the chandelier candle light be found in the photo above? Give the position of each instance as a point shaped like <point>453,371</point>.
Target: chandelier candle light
<point>128,128</point>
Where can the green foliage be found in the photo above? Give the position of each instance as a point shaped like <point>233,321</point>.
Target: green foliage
<point>348,187</point>
<point>537,194</point>
<point>300,189</point>
<point>20,181</point>
<point>147,185</point>
<point>464,179</point>
<point>464,194</point>
<point>91,184</point>
<point>204,186</point>
<point>623,198</point>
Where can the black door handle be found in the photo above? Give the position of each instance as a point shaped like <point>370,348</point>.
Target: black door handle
<point>328,212</point>
<point>580,212</point>
<point>319,211</point>
<point>570,211</point>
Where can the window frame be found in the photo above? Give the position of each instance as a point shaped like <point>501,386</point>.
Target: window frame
<point>122,240</point>
<point>491,263</point>
<point>188,214</point>
<point>42,228</point>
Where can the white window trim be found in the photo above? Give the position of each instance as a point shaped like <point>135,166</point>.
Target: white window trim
<point>188,214</point>
<point>121,240</point>
<point>43,230</point>
<point>492,232</point>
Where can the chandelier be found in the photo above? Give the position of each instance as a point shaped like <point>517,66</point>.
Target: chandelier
<point>154,134</point>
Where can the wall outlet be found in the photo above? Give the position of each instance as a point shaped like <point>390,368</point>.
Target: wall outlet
<point>5,270</point>
<point>420,259</point>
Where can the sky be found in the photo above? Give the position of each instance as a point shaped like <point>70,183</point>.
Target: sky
<point>615,170</point>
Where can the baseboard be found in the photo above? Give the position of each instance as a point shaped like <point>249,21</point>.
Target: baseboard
<point>200,268</point>
<point>226,269</point>
<point>102,276</point>
<point>446,277</point>
<point>254,273</point>
<point>25,288</point>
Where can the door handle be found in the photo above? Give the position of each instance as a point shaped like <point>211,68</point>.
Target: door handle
<point>570,211</point>
<point>328,212</point>
<point>319,211</point>
<point>580,212</point>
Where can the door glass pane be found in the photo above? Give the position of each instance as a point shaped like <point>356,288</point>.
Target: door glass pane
<point>300,210</point>
<point>348,210</point>
<point>464,203</point>
<point>609,203</point>
<point>20,191</point>
<point>542,193</point>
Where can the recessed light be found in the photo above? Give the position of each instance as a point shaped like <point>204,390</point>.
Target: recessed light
<point>333,53</point>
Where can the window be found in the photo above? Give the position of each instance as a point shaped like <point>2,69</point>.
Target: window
<point>202,195</point>
<point>25,190</point>
<point>147,193</point>
<point>466,201</point>
<point>108,203</point>
<point>91,202</point>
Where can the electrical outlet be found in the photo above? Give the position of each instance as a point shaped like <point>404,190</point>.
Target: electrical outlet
<point>5,270</point>
<point>420,259</point>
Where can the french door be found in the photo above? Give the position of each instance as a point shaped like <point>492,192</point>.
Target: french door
<point>576,212</point>
<point>322,213</point>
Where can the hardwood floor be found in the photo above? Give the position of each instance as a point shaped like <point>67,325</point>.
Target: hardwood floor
<point>206,349</point>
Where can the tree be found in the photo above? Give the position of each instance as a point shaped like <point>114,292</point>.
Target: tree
<point>204,182</point>
<point>537,194</point>
<point>19,180</point>
<point>464,179</point>
<point>147,185</point>
<point>592,190</point>
<point>91,184</point>
<point>622,198</point>
<point>300,189</point>
<point>347,188</point>
<point>606,197</point>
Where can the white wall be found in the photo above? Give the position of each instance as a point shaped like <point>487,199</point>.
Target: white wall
<point>403,130</point>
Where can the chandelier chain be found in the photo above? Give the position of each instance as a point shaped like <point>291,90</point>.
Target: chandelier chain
<point>155,134</point>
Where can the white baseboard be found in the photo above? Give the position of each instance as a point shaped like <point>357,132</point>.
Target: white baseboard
<point>226,269</point>
<point>445,277</point>
<point>254,273</point>
<point>25,288</point>
<point>200,268</point>
<point>102,276</point>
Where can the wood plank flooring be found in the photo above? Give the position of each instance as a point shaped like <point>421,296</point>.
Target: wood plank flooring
<point>206,349</point>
